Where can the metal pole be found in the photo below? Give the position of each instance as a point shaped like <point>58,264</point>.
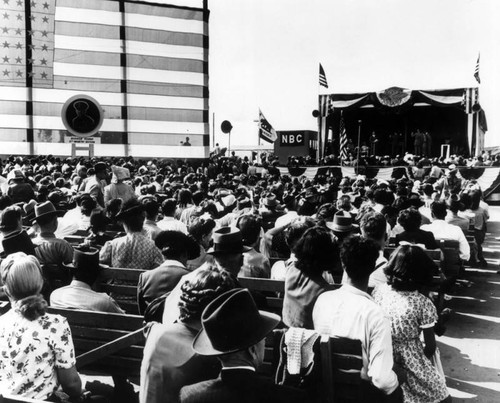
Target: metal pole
<point>229,144</point>
<point>359,139</point>
<point>213,130</point>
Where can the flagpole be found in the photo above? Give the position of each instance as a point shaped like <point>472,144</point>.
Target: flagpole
<point>340,136</point>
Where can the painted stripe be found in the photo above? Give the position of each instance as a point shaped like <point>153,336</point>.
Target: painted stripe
<point>90,30</point>
<point>11,94</point>
<point>92,58</point>
<point>180,90</point>
<point>91,4</point>
<point>159,11</point>
<point>167,37</point>
<point>102,17</point>
<point>55,123</point>
<point>136,74</point>
<point>169,115</point>
<point>76,43</point>
<point>86,84</point>
<point>159,139</point>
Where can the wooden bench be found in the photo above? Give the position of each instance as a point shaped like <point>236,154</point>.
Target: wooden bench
<point>273,290</point>
<point>341,363</point>
<point>106,342</point>
<point>121,284</point>
<point>18,399</point>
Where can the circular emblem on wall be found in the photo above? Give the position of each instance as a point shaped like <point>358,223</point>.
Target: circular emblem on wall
<point>82,115</point>
<point>394,96</point>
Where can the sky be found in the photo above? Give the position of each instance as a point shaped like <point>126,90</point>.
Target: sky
<point>265,54</point>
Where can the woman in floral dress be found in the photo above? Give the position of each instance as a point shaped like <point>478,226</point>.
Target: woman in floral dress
<point>411,313</point>
<point>36,349</point>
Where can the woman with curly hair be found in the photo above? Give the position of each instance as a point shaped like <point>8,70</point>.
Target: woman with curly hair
<point>36,349</point>
<point>169,361</point>
<point>411,313</point>
<point>315,253</point>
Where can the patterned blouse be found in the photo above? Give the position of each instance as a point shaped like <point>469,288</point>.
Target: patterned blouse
<point>30,352</point>
<point>132,251</point>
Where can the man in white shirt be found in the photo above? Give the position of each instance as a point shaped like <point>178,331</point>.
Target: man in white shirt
<point>351,312</point>
<point>169,223</point>
<point>442,230</point>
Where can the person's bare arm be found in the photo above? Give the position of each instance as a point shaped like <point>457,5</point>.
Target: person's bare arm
<point>70,381</point>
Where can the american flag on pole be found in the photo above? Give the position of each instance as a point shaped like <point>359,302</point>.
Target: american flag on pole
<point>266,131</point>
<point>476,71</point>
<point>145,63</point>
<point>343,139</point>
<point>322,77</point>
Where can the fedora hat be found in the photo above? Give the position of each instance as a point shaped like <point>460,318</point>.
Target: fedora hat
<point>14,175</point>
<point>227,240</point>
<point>342,222</point>
<point>270,201</point>
<point>85,258</point>
<point>45,209</point>
<point>231,323</point>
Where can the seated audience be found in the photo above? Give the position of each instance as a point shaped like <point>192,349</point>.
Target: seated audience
<point>134,250</point>
<point>38,344</point>
<point>85,270</point>
<point>411,313</point>
<point>234,331</point>
<point>169,361</point>
<point>169,223</point>
<point>315,253</point>
<point>350,312</point>
<point>201,229</point>
<point>410,219</point>
<point>177,248</point>
<point>255,264</point>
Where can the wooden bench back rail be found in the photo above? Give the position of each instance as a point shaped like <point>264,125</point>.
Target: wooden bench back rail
<point>18,399</point>
<point>109,343</point>
<point>341,362</point>
<point>272,289</point>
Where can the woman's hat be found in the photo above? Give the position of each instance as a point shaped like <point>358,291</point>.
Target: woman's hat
<point>85,258</point>
<point>120,173</point>
<point>231,323</point>
<point>46,209</point>
<point>227,240</point>
<point>342,222</point>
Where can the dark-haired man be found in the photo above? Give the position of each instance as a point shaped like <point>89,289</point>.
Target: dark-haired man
<point>442,230</point>
<point>350,312</point>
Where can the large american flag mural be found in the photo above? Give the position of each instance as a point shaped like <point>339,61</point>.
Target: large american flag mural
<point>145,63</point>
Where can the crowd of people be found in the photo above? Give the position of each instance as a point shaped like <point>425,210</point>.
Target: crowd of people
<point>196,229</point>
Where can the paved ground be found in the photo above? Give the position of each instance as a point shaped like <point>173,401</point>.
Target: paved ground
<point>470,348</point>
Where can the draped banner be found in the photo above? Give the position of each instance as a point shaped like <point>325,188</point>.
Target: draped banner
<point>488,178</point>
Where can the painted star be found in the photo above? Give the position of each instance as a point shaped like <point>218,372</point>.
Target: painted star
<point>6,44</point>
<point>31,74</point>
<point>45,47</point>
<point>43,62</point>
<point>6,59</point>
<point>19,45</point>
<point>19,60</point>
<point>44,75</point>
<point>32,47</point>
<point>19,73</point>
<point>46,6</point>
<point>33,4</point>
<point>44,33</point>
<point>6,73</point>
<point>5,30</point>
<point>18,31</point>
<point>5,1</point>
<point>5,16</point>
<point>30,32</point>
<point>19,17</point>
<point>45,19</point>
<point>20,3</point>
<point>33,18</point>
<point>31,61</point>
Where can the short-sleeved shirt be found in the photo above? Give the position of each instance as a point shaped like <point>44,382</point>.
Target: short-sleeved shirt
<point>132,251</point>
<point>30,352</point>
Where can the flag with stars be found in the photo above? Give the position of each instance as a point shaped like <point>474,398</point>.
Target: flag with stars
<point>27,46</point>
<point>145,63</point>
